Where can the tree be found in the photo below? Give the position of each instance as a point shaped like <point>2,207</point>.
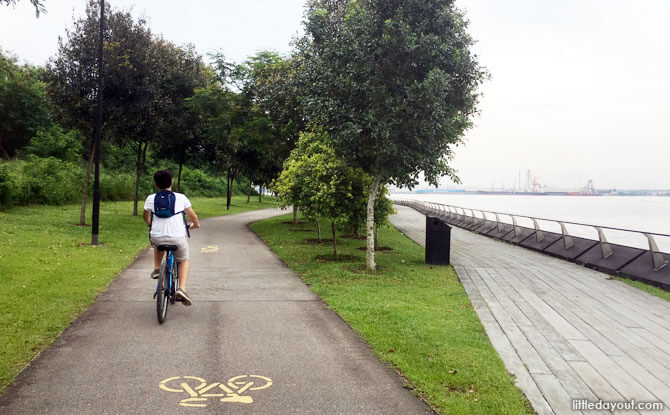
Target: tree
<point>146,80</point>
<point>395,84</point>
<point>317,181</point>
<point>320,183</point>
<point>72,79</point>
<point>38,4</point>
<point>271,84</point>
<point>23,105</point>
<point>182,71</point>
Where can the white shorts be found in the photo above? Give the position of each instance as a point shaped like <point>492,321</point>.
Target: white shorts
<point>181,254</point>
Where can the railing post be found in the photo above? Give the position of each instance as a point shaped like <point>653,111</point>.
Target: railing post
<point>475,221</point>
<point>568,242</point>
<point>517,228</point>
<point>605,247</point>
<point>657,259</point>
<point>500,228</point>
<point>539,235</point>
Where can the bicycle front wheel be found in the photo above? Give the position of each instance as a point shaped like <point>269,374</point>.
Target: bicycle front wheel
<point>162,295</point>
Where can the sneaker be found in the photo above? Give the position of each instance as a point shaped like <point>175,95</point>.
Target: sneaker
<point>181,295</point>
<point>155,273</point>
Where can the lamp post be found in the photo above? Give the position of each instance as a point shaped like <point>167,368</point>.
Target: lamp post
<point>95,217</point>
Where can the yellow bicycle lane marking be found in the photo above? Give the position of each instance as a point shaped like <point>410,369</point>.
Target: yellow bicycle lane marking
<point>199,395</point>
<point>209,249</point>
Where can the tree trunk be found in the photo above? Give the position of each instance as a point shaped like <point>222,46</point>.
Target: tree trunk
<point>141,161</point>
<point>295,214</point>
<point>181,165</point>
<point>318,231</point>
<point>228,191</point>
<point>182,159</point>
<point>84,192</point>
<point>376,237</point>
<point>249,194</point>
<point>5,153</point>
<point>369,227</point>
<point>332,224</point>
<point>260,193</point>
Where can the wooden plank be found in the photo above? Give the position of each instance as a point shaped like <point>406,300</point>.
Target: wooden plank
<point>577,317</point>
<point>522,378</point>
<point>557,397</point>
<point>561,325</point>
<point>645,378</point>
<point>498,288</point>
<point>612,372</point>
<point>603,390</point>
<point>523,347</point>
<point>559,367</point>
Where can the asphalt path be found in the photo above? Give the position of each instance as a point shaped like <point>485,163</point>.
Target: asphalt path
<point>256,340</point>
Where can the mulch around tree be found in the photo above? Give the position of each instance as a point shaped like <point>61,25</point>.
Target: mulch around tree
<point>338,258</point>
<point>378,249</point>
<point>314,241</point>
<point>359,237</point>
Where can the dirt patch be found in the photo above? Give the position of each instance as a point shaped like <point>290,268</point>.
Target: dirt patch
<point>359,237</point>
<point>338,258</point>
<point>316,241</point>
<point>300,222</point>
<point>378,249</point>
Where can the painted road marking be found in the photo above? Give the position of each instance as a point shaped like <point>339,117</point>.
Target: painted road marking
<point>197,389</point>
<point>209,249</point>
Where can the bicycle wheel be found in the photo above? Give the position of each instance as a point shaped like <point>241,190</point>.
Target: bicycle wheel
<point>162,296</point>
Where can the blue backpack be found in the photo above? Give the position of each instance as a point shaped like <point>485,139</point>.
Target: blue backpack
<point>164,204</point>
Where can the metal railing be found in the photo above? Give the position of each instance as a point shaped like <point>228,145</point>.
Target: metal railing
<point>453,215</point>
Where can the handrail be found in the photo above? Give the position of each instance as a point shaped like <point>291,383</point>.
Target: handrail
<point>658,261</point>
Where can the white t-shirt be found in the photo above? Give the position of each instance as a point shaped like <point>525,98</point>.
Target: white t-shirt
<point>173,226</point>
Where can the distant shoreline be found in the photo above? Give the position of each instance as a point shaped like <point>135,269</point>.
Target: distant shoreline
<point>542,193</point>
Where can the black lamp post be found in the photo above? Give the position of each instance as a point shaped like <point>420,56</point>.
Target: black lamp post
<point>98,134</point>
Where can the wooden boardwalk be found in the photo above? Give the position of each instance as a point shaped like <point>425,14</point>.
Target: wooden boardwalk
<point>564,331</point>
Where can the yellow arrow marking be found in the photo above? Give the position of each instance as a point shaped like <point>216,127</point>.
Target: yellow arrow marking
<point>209,249</point>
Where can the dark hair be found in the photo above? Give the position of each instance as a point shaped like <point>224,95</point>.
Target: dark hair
<point>163,179</point>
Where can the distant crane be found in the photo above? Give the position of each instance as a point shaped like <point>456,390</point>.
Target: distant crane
<point>531,182</point>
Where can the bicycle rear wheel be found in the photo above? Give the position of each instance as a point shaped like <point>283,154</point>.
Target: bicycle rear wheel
<point>162,295</point>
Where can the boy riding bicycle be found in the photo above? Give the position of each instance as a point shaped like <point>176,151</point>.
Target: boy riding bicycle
<point>170,228</point>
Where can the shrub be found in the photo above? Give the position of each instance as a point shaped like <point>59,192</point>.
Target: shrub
<point>54,142</point>
<point>51,181</point>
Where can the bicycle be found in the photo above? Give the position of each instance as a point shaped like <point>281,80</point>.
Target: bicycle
<point>168,281</point>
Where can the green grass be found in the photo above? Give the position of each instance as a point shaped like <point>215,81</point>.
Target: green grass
<point>658,292</point>
<point>49,272</point>
<point>416,317</point>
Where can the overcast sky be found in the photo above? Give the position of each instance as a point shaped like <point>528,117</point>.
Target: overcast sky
<point>578,88</point>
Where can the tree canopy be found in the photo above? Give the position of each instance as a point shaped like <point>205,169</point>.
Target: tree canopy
<point>395,84</point>
<point>24,109</point>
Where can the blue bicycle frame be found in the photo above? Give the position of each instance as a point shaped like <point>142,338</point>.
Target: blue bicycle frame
<point>169,262</point>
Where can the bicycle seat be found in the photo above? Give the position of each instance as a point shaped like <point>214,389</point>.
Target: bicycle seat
<point>170,248</point>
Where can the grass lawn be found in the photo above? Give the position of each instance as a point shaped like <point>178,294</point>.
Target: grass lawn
<point>416,317</point>
<point>648,288</point>
<point>50,273</point>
